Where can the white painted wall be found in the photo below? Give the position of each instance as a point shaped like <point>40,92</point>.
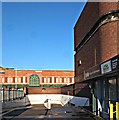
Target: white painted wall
<point>58,99</point>
<point>52,99</point>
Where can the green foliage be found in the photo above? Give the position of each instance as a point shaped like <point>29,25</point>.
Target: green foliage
<point>14,86</point>
<point>18,86</point>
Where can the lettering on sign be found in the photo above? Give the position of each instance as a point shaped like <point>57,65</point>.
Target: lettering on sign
<point>114,63</point>
<point>93,72</point>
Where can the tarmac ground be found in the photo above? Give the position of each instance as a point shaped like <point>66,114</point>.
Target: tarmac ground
<point>36,112</point>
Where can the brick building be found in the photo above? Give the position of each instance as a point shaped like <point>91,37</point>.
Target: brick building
<point>96,43</point>
<point>35,77</point>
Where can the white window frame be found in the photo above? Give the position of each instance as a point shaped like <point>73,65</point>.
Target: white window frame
<point>68,80</point>
<point>52,79</point>
<point>19,80</point>
<point>72,80</point>
<point>48,80</point>
<point>65,80</point>
<point>16,80</point>
<point>44,80</point>
<point>3,80</point>
<point>56,80</point>
<point>9,80</point>
<point>24,79</point>
<point>60,80</point>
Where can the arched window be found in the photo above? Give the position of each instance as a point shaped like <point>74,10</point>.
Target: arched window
<point>34,80</point>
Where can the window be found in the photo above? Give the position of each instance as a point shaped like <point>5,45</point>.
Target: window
<point>68,80</point>
<point>110,92</point>
<point>2,80</point>
<point>9,80</point>
<point>106,96</point>
<point>72,80</point>
<point>15,80</point>
<point>112,89</point>
<point>65,80</point>
<point>24,79</point>
<point>5,80</point>
<point>48,80</point>
<point>56,80</point>
<point>19,80</point>
<point>52,79</point>
<point>60,80</point>
<point>34,80</point>
<point>44,80</point>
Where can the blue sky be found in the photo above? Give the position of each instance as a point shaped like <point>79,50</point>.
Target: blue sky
<point>39,35</point>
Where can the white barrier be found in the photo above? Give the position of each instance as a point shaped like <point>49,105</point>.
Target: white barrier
<point>58,99</point>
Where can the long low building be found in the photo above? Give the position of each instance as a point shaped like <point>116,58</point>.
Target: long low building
<point>36,77</point>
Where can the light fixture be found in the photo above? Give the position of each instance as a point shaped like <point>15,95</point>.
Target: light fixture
<point>79,62</point>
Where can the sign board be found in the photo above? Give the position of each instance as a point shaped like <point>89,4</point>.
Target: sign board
<point>106,67</point>
<point>115,63</point>
<point>110,65</point>
<point>92,72</point>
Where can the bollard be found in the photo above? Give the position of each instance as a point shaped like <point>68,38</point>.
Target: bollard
<point>111,111</point>
<point>117,110</point>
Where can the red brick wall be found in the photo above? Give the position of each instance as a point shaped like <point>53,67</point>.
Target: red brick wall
<point>105,7</point>
<point>87,55</point>
<point>42,74</point>
<point>68,90</point>
<point>73,89</point>
<point>85,22</point>
<point>103,44</point>
<point>108,41</point>
<point>44,91</point>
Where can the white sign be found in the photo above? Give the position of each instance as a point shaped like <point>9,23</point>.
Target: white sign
<point>106,67</point>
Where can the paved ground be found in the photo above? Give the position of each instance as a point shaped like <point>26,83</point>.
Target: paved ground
<point>36,112</point>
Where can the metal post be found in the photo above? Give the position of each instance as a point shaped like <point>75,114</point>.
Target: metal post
<point>3,98</point>
<point>117,110</point>
<point>13,94</point>
<point>9,94</point>
<point>111,111</point>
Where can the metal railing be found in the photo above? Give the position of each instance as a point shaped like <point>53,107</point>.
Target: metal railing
<point>8,95</point>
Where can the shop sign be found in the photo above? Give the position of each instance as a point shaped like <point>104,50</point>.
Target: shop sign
<point>110,65</point>
<point>106,67</point>
<point>92,72</point>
